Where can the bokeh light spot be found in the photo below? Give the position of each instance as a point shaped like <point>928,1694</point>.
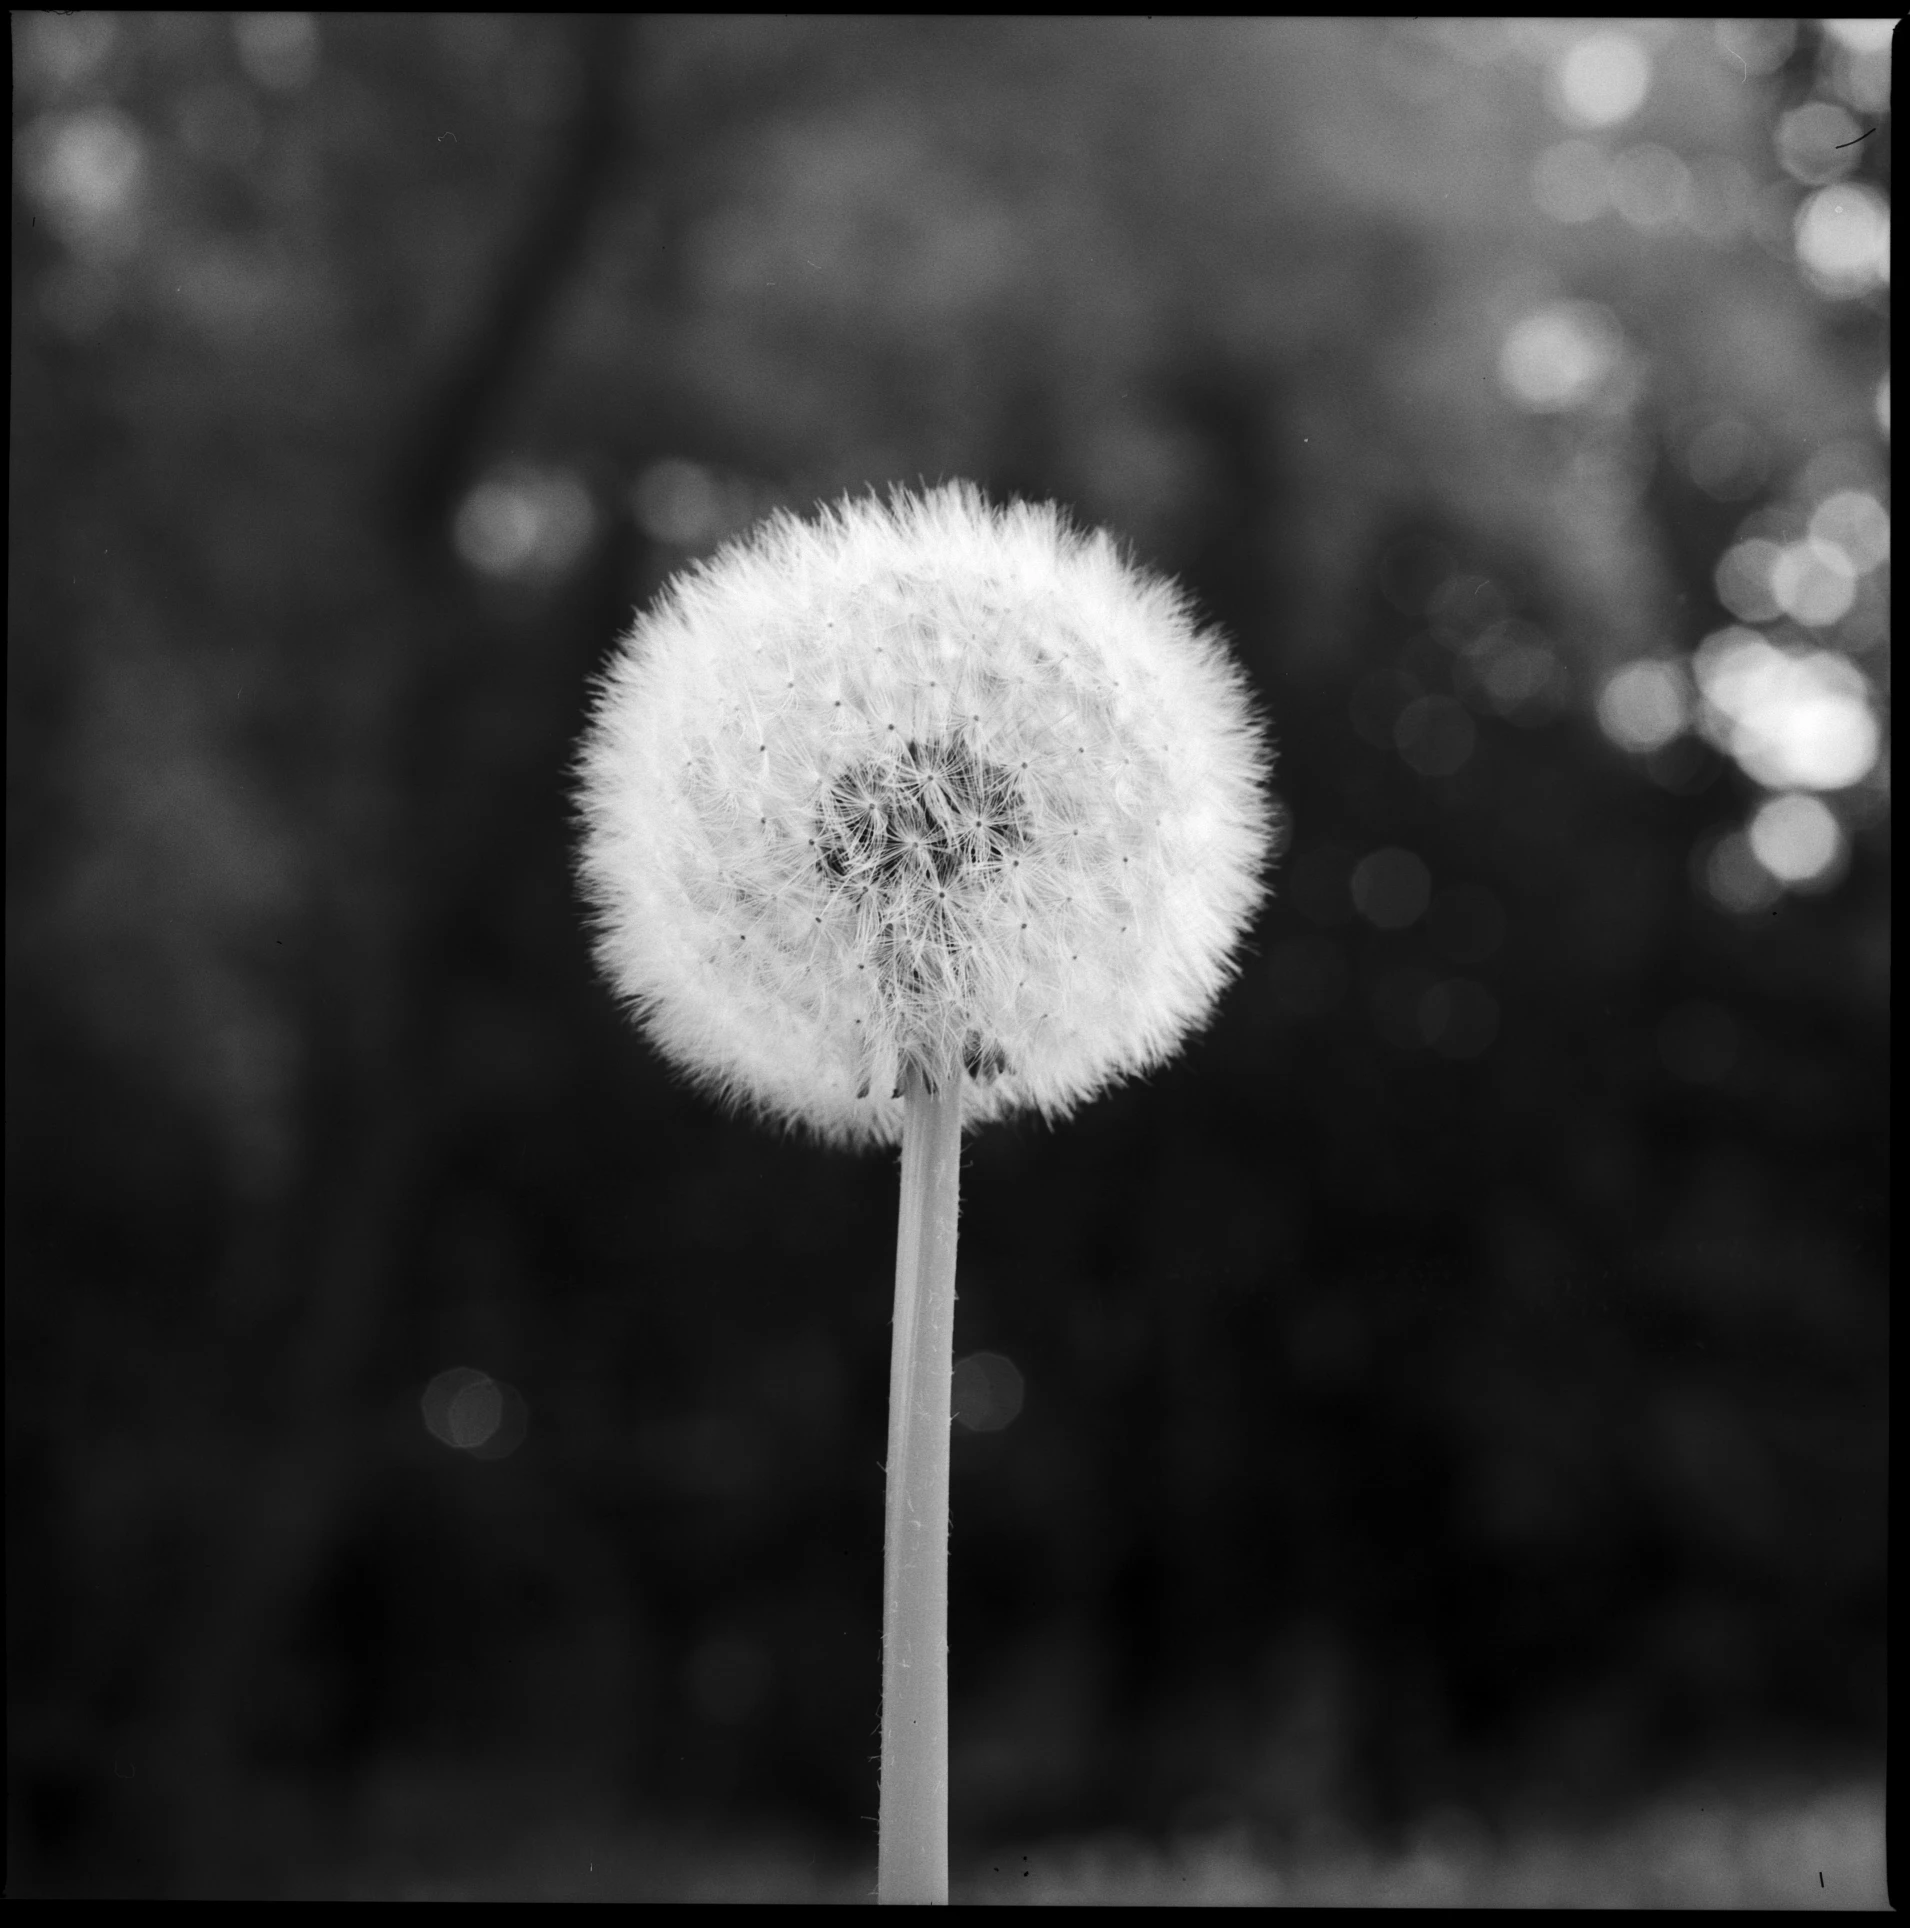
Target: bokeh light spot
<point>1743,580</point>
<point>462,1407</point>
<point>682,503</point>
<point>1792,721</point>
<point>1643,706</point>
<point>1843,240</point>
<point>1868,36</point>
<point>1513,670</point>
<point>988,1392</point>
<point>60,49</point>
<point>439,1396</point>
<point>1798,840</point>
<point>1856,62</point>
<point>1434,736</point>
<point>277,50</point>
<point>1814,583</point>
<point>1601,80</point>
<point>1731,876</point>
<point>1391,888</point>
<point>1818,143</point>
<point>1559,356</point>
<point>525,522</point>
<point>473,1413</point>
<point>1753,48</point>
<point>85,170</point>
<point>1857,524</point>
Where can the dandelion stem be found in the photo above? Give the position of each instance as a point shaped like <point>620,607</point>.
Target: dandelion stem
<point>912,1823</point>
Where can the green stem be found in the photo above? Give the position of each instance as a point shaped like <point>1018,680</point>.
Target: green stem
<point>912,1824</point>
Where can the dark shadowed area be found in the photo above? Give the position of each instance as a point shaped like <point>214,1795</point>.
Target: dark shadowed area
<point>1427,1444</point>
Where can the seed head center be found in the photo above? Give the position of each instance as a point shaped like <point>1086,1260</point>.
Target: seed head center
<point>931,818</point>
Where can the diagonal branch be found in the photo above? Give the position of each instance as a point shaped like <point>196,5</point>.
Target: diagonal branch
<point>439,452</point>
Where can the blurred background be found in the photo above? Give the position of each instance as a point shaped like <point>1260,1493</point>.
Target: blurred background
<point>1432,1435</point>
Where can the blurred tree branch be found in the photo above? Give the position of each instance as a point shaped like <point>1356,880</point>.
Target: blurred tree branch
<point>369,1036</point>
<point>437,455</point>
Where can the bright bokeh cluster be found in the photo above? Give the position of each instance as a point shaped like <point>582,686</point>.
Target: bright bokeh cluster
<point>1792,719</point>
<point>1559,356</point>
<point>1785,679</point>
<point>1791,688</point>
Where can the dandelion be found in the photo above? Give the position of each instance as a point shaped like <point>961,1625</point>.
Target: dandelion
<point>896,822</point>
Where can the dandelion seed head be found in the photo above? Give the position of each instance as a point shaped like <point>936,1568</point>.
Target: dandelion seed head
<point>921,782</point>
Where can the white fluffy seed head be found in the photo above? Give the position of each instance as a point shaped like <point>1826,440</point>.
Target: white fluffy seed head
<point>916,783</point>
